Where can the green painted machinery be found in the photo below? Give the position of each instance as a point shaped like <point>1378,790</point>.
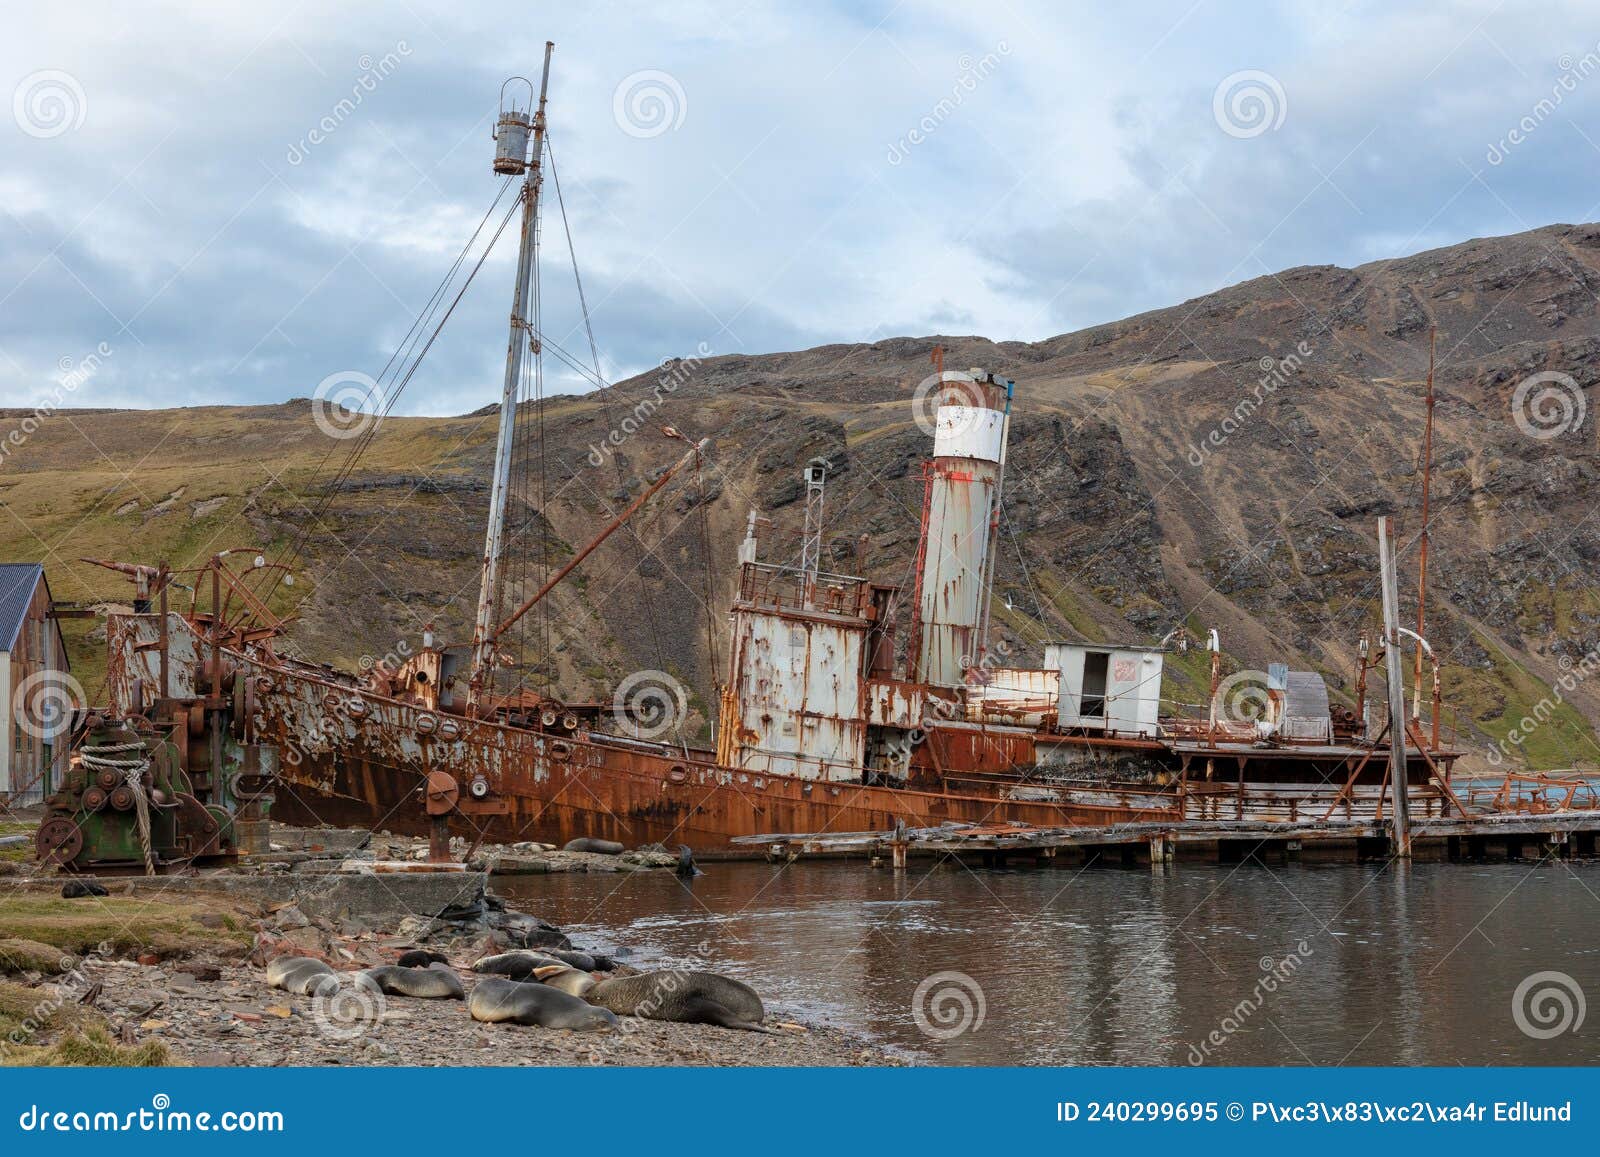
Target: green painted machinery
<point>127,804</point>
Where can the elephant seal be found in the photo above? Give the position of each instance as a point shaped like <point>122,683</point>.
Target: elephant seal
<point>302,976</point>
<point>432,983</point>
<point>684,997</point>
<point>421,958</point>
<point>496,1001</point>
<point>598,847</point>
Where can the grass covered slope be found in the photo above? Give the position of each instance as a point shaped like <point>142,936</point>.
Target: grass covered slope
<point>1159,475</point>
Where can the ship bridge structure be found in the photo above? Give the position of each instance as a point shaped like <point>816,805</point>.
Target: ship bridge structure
<point>814,689</point>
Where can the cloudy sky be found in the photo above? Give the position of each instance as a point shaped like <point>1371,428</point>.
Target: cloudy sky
<point>234,201</point>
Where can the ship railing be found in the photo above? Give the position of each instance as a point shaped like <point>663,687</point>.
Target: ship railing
<point>773,585</point>
<point>1535,793</point>
<point>1161,799</point>
<point>1302,802</point>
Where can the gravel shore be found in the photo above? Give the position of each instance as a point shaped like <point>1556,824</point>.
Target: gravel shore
<point>225,1014</point>
<point>179,973</point>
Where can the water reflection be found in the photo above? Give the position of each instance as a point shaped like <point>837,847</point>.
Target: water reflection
<point>1232,964</point>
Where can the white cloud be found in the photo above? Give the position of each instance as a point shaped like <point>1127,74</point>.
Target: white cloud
<point>1080,179</point>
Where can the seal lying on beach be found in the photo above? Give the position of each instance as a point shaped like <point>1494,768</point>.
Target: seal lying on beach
<point>421,958</point>
<point>527,934</point>
<point>77,889</point>
<point>516,965</point>
<point>432,983</point>
<point>598,847</point>
<point>684,997</point>
<point>496,1001</point>
<point>573,981</point>
<point>302,976</point>
<point>588,961</point>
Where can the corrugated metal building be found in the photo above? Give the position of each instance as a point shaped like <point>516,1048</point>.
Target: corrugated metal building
<point>36,689</point>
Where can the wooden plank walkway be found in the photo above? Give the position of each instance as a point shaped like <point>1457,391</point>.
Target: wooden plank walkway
<point>987,838</point>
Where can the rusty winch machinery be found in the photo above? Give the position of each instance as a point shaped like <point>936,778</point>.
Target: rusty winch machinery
<point>164,778</point>
<point>128,804</point>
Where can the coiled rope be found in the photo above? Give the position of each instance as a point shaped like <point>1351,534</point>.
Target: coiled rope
<point>132,771</point>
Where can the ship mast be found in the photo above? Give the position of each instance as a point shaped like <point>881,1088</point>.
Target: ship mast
<point>512,157</point>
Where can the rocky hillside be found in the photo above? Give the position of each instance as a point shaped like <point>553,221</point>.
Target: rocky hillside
<point>1220,463</point>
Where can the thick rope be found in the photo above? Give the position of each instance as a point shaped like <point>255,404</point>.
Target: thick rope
<point>132,771</point>
<point>141,806</point>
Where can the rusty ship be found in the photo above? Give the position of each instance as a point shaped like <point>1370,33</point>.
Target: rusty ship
<point>853,714</point>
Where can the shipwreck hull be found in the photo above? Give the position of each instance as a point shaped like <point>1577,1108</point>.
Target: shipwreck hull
<point>640,798</point>
<point>364,765</point>
<point>349,756</point>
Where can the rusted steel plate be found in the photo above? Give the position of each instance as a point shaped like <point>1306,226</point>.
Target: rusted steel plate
<point>351,756</point>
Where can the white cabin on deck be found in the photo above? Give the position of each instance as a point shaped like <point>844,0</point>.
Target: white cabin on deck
<point>1108,688</point>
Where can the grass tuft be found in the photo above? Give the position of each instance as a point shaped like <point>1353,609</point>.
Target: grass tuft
<point>121,925</point>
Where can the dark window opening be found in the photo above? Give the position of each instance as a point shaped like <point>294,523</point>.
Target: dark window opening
<point>1092,704</point>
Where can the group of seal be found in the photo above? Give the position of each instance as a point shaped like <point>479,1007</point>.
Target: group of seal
<point>533,988</point>
<point>684,997</point>
<point>519,965</point>
<point>545,981</point>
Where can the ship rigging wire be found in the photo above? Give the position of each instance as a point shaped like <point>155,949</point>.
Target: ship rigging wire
<point>407,357</point>
<point>638,550</point>
<point>529,393</point>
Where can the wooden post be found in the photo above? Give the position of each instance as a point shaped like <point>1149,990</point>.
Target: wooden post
<point>1400,822</point>
<point>1160,851</point>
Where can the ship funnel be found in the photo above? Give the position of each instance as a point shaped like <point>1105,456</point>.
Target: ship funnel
<point>512,129</point>
<point>970,419</point>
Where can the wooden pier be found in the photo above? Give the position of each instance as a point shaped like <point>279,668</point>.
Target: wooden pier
<point>1514,836</point>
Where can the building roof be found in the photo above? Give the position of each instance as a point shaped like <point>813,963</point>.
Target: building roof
<point>1110,647</point>
<point>18,581</point>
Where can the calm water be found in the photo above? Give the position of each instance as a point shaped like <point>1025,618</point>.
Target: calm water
<point>1125,966</point>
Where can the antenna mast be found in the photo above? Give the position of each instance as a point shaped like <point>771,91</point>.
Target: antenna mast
<point>815,476</point>
<point>512,157</point>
